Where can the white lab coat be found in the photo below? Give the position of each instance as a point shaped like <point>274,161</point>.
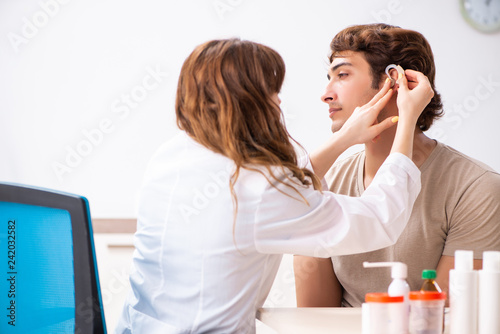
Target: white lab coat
<point>196,272</point>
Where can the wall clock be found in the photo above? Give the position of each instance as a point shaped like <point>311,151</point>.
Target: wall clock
<point>483,15</point>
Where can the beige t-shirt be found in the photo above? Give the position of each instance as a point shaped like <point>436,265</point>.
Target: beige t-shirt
<point>458,208</point>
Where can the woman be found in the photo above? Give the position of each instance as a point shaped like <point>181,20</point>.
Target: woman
<point>224,199</point>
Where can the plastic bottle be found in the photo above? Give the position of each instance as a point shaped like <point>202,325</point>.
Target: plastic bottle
<point>427,312</point>
<point>383,314</point>
<point>489,294</point>
<point>430,284</point>
<point>463,294</point>
<point>398,286</point>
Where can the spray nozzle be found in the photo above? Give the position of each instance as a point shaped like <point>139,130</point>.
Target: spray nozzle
<point>398,269</point>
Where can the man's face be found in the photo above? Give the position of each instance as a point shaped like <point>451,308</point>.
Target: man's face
<point>349,86</point>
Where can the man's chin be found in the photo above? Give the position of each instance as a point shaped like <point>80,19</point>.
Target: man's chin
<point>336,126</point>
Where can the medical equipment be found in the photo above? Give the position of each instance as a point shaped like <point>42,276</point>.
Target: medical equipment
<point>398,68</point>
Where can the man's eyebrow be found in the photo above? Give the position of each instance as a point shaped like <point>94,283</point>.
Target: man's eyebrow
<point>345,63</point>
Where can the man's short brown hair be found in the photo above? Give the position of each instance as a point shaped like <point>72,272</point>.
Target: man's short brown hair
<point>383,44</point>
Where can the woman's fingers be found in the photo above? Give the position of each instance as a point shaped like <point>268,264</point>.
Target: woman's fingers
<point>382,101</point>
<point>382,126</point>
<point>414,93</point>
<point>412,84</point>
<point>415,79</point>
<point>378,102</point>
<point>415,76</point>
<point>380,94</point>
<point>402,82</point>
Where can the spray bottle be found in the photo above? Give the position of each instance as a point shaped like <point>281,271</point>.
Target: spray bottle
<point>398,286</point>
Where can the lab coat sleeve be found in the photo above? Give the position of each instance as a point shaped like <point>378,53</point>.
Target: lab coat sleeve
<point>331,224</point>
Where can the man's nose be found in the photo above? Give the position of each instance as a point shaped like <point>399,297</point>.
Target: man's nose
<point>329,94</point>
<point>326,98</point>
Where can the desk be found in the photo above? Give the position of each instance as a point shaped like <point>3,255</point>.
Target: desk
<point>315,320</point>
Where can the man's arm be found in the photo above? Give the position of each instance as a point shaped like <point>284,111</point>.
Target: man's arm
<point>315,282</point>
<point>446,263</point>
<point>474,224</point>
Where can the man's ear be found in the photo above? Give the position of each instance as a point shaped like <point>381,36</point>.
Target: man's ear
<point>393,76</point>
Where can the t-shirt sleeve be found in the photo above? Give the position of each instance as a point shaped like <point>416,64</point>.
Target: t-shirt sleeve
<point>330,224</point>
<point>475,222</point>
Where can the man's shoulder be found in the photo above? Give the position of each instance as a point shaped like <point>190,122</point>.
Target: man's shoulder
<point>450,158</point>
<point>343,175</point>
<point>451,170</point>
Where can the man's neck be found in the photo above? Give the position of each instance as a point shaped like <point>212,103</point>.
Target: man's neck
<point>377,152</point>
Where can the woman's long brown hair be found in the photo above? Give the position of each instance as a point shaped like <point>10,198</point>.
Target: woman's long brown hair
<point>225,101</point>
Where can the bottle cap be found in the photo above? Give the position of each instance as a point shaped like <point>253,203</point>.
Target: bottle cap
<point>383,297</point>
<point>427,295</point>
<point>464,260</point>
<point>491,261</point>
<point>428,274</point>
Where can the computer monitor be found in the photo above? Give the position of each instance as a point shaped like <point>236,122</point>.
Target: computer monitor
<point>49,281</point>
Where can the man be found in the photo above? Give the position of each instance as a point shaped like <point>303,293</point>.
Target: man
<point>459,204</point>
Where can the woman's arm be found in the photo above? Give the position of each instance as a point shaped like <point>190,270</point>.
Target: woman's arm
<point>329,224</point>
<point>411,102</point>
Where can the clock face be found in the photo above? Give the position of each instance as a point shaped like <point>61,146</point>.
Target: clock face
<point>483,15</point>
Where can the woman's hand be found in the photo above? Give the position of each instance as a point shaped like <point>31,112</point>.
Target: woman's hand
<point>362,125</point>
<point>414,94</point>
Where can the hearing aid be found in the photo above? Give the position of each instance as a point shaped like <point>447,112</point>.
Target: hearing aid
<point>398,68</point>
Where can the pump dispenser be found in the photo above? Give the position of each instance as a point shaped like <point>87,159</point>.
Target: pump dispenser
<point>398,286</point>
<point>399,273</point>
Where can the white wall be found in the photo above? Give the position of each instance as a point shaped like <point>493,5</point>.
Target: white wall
<point>66,68</point>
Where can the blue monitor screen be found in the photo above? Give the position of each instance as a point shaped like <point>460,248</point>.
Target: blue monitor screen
<point>36,277</point>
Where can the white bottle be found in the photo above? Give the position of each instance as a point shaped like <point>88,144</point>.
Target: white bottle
<point>463,294</point>
<point>489,294</point>
<point>398,286</point>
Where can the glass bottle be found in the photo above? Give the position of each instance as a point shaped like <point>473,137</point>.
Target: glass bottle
<point>430,284</point>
